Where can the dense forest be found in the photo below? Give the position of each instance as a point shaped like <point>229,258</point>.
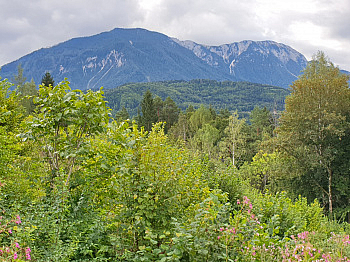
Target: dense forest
<point>175,182</point>
<point>241,96</point>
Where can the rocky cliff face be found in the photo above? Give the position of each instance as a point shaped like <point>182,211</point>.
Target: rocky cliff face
<point>264,62</point>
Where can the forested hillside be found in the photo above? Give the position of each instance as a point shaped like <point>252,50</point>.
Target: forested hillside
<point>241,96</point>
<point>201,184</point>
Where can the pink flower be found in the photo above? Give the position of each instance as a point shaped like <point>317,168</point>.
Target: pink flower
<point>218,237</point>
<point>28,250</point>
<point>10,231</point>
<point>245,200</point>
<point>18,221</point>
<point>221,229</point>
<point>15,255</point>
<point>17,245</point>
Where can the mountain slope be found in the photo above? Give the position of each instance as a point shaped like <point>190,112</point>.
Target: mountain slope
<point>241,96</point>
<point>122,56</point>
<point>264,62</point>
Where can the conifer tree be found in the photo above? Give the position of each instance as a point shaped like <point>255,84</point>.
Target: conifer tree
<point>47,80</point>
<point>149,114</point>
<point>19,79</point>
<point>122,114</point>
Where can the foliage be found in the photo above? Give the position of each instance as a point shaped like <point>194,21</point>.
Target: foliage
<point>149,113</point>
<point>25,91</point>
<point>315,126</point>
<point>66,119</point>
<point>122,115</point>
<point>10,111</point>
<point>87,188</point>
<point>47,80</point>
<point>232,147</point>
<point>240,96</point>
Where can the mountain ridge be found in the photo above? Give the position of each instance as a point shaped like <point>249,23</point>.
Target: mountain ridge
<point>123,56</point>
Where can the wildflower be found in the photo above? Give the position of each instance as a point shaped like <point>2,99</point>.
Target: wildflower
<point>15,255</point>
<point>28,250</point>
<point>17,245</point>
<point>218,237</point>
<point>18,221</point>
<point>238,202</point>
<point>221,229</point>
<point>246,200</point>
<point>10,231</point>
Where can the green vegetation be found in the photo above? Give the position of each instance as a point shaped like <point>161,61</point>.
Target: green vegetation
<point>207,185</point>
<point>241,96</point>
<point>47,80</point>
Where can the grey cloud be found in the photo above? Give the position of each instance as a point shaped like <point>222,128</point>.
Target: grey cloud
<point>30,25</point>
<point>207,22</point>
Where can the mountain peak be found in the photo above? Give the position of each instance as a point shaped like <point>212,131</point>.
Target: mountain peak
<point>125,55</point>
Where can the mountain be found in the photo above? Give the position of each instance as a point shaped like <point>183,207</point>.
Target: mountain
<point>264,62</point>
<point>122,56</point>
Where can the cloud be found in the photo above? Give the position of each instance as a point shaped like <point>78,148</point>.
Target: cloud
<point>30,25</point>
<point>306,25</point>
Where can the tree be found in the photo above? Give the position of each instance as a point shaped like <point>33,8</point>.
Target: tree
<point>19,79</point>
<point>26,93</point>
<point>47,80</point>
<point>11,113</point>
<point>234,140</point>
<point>181,128</point>
<point>122,115</point>
<point>262,121</point>
<point>206,137</point>
<point>170,113</point>
<point>25,90</point>
<point>149,114</point>
<point>158,105</point>
<point>315,125</point>
<point>65,122</point>
<point>199,118</point>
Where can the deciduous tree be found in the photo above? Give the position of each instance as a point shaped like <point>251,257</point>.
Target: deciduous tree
<point>232,144</point>
<point>315,125</point>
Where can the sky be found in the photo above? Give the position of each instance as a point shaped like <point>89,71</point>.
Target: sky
<point>306,25</point>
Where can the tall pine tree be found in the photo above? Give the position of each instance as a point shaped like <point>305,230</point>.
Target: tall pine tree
<point>47,80</point>
<point>149,113</point>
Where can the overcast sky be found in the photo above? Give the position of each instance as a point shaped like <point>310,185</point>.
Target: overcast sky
<point>305,25</point>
